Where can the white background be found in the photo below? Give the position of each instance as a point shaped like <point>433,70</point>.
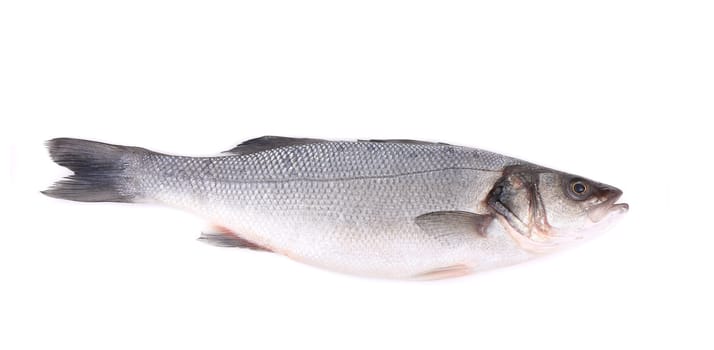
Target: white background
<point>618,91</point>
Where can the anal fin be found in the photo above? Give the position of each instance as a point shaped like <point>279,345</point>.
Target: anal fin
<point>223,237</point>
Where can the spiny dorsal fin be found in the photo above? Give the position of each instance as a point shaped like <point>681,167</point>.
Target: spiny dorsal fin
<point>412,142</point>
<point>269,142</point>
<point>454,227</point>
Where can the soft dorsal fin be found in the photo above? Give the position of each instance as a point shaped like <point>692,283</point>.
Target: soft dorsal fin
<point>412,142</point>
<point>269,142</point>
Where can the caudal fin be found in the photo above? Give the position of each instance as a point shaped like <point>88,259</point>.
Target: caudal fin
<point>100,170</point>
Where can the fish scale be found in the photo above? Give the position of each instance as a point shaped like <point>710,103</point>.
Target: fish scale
<point>350,201</point>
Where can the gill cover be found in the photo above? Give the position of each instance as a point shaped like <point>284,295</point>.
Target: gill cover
<point>516,199</point>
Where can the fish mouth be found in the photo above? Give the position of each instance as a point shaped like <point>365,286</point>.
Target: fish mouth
<point>609,206</point>
<point>620,207</point>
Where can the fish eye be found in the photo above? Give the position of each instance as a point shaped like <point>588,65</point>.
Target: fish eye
<point>579,189</point>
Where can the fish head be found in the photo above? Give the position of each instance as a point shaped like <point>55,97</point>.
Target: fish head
<point>544,208</point>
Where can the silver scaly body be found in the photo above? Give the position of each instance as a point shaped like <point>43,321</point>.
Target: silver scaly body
<point>346,206</point>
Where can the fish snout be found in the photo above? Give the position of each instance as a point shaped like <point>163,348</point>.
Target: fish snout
<point>608,196</point>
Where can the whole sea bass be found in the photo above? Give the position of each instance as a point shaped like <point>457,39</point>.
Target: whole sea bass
<point>385,208</point>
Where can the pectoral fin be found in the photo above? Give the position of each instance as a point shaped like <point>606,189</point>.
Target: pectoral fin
<point>453,227</point>
<point>444,272</point>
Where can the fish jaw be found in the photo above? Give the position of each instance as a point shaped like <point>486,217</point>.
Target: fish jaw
<point>610,207</point>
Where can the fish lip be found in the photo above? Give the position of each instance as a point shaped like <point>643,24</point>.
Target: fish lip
<point>615,195</point>
<point>610,206</point>
<point>623,207</point>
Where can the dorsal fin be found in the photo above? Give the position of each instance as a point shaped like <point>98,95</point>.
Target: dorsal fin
<point>269,142</point>
<point>412,142</point>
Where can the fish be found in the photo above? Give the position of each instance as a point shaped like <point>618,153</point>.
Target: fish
<point>396,209</point>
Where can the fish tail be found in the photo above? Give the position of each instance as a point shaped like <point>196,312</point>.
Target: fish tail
<point>100,171</point>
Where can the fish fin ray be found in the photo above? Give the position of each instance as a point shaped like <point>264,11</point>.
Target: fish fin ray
<point>451,271</point>
<point>100,171</point>
<point>453,227</point>
<point>265,143</point>
<point>222,237</point>
<point>406,141</point>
